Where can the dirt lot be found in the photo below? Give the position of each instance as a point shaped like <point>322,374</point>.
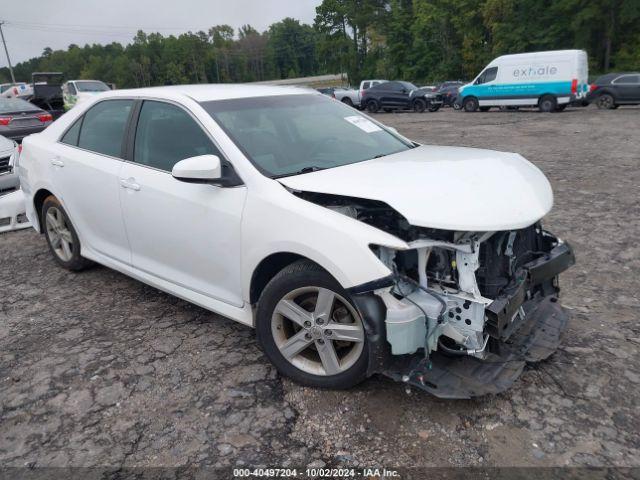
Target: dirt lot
<point>98,369</point>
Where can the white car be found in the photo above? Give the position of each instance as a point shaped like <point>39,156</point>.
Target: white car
<point>349,248</point>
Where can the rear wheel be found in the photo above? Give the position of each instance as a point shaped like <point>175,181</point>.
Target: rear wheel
<point>61,236</point>
<point>547,103</point>
<point>470,104</point>
<point>310,329</point>
<point>347,101</point>
<point>434,108</point>
<point>373,106</point>
<point>606,101</point>
<point>419,105</point>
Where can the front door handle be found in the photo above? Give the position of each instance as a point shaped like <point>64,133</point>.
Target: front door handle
<point>56,162</point>
<point>129,183</point>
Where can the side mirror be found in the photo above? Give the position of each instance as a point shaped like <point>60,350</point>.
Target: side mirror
<point>200,169</point>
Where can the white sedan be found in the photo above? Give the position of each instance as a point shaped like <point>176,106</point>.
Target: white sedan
<point>351,249</point>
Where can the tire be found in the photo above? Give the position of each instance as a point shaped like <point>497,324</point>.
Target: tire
<point>485,109</point>
<point>419,105</point>
<point>347,101</point>
<point>293,334</point>
<point>61,236</point>
<point>470,104</point>
<point>433,108</point>
<point>457,106</point>
<point>373,106</point>
<point>547,103</point>
<point>606,102</point>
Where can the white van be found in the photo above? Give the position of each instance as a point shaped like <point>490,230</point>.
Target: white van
<point>548,80</point>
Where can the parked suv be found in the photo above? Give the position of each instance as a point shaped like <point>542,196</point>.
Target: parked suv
<point>615,89</point>
<point>351,249</point>
<point>400,95</point>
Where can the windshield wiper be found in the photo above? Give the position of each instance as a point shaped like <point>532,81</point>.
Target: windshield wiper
<point>310,169</point>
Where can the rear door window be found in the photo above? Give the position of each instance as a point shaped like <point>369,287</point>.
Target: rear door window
<point>628,80</point>
<point>104,126</point>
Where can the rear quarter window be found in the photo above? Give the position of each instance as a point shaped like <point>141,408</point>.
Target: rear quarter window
<point>103,127</point>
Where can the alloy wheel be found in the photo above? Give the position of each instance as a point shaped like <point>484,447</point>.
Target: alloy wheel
<point>59,234</point>
<point>318,331</point>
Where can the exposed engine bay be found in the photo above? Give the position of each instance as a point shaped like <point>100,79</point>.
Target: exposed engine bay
<point>489,296</point>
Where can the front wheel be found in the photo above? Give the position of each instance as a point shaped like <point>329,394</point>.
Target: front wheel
<point>310,330</point>
<point>434,108</point>
<point>470,104</point>
<point>61,236</point>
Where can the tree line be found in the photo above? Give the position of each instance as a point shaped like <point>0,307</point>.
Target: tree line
<point>418,40</point>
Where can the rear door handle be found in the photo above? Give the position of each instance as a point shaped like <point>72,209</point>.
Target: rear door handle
<point>130,184</point>
<point>57,162</point>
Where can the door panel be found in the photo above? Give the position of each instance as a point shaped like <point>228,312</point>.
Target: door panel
<point>87,177</point>
<point>185,233</point>
<point>88,185</point>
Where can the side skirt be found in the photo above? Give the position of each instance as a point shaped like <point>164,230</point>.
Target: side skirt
<point>242,315</point>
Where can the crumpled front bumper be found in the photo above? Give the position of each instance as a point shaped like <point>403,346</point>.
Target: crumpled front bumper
<point>525,324</point>
<point>465,377</point>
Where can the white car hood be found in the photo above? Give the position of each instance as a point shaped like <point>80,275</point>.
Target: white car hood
<point>450,188</point>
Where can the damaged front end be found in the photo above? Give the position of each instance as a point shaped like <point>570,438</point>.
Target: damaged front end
<point>463,311</point>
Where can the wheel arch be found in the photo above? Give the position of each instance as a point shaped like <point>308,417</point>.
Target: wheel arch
<point>269,267</point>
<point>38,202</point>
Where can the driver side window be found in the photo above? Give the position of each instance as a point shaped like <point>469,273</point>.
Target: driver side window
<point>487,76</point>
<point>167,134</point>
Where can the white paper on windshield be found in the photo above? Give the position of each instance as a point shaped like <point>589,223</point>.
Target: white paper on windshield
<point>363,124</point>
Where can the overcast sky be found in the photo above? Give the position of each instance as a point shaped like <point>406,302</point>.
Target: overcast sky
<point>32,25</point>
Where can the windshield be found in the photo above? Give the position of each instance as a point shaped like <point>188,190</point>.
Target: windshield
<point>91,86</point>
<point>289,134</point>
<point>16,105</point>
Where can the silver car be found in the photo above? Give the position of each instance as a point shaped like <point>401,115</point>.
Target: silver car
<point>8,176</point>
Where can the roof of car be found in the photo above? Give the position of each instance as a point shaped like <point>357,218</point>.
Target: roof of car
<point>208,92</point>
<point>608,77</point>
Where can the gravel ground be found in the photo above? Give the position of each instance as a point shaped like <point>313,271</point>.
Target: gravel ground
<point>97,369</point>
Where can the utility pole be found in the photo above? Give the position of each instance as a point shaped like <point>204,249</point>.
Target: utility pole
<point>13,79</point>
